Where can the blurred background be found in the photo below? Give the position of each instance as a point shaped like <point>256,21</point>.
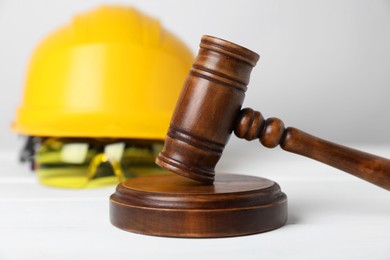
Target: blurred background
<point>324,65</point>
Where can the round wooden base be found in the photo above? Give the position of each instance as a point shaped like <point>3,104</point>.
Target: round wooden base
<point>174,206</point>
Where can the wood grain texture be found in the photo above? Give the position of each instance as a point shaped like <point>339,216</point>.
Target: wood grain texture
<point>368,167</point>
<point>271,133</point>
<point>174,206</point>
<point>209,110</point>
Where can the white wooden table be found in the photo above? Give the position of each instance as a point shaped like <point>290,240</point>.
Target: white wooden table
<point>332,215</point>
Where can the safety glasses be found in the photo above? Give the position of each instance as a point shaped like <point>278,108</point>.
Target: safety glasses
<point>88,163</point>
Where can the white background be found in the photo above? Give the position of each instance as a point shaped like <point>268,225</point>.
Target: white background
<point>324,67</point>
<point>331,215</point>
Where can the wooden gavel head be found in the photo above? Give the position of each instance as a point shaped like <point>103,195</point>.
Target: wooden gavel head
<point>207,109</point>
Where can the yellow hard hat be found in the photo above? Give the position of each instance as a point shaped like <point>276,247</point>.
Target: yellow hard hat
<point>111,72</point>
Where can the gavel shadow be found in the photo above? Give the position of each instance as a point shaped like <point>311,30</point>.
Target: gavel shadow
<point>330,202</point>
<point>315,195</point>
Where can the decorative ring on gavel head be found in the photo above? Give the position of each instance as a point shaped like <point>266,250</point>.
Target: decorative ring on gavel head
<point>207,109</point>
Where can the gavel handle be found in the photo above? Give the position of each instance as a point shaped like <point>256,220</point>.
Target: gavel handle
<point>271,132</point>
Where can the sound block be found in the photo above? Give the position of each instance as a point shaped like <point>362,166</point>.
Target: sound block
<point>173,206</point>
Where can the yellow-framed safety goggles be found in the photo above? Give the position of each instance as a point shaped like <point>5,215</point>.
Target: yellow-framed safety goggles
<point>89,163</point>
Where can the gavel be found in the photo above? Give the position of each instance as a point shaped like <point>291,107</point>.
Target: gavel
<point>209,110</point>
